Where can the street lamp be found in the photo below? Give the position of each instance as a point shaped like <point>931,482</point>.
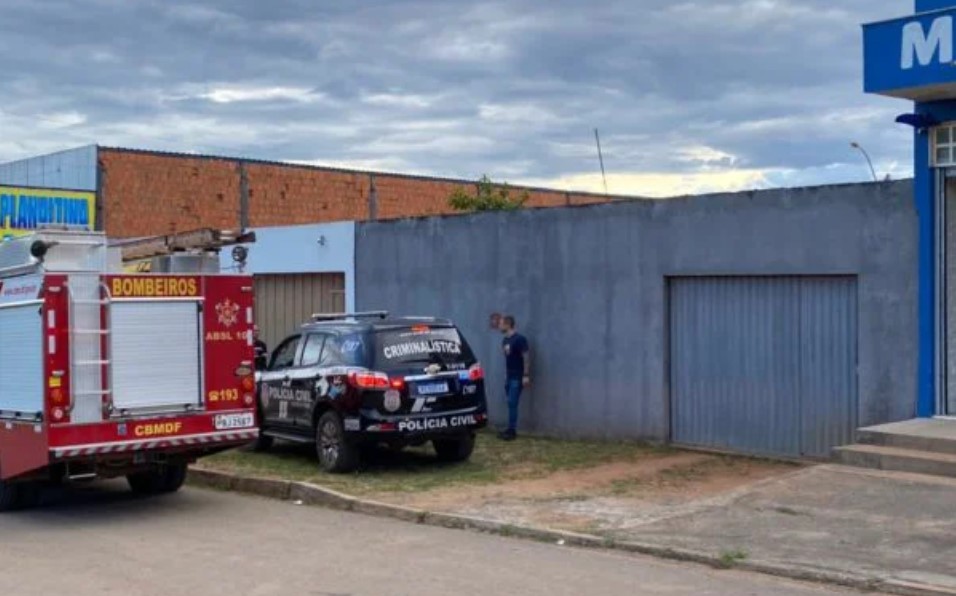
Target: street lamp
<point>869,161</point>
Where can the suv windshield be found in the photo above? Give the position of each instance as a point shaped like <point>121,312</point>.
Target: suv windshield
<point>400,348</point>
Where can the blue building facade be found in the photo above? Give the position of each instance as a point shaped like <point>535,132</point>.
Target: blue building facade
<point>914,58</point>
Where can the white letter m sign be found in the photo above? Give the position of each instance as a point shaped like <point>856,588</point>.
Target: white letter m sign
<point>918,45</point>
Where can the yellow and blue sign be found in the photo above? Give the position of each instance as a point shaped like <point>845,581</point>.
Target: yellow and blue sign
<point>23,210</point>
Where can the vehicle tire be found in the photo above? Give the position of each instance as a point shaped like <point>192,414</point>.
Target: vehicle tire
<point>29,495</point>
<point>455,450</point>
<point>9,496</point>
<point>263,443</point>
<point>167,478</point>
<point>336,453</point>
<point>175,477</point>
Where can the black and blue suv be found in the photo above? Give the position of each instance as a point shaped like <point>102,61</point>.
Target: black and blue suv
<point>354,380</point>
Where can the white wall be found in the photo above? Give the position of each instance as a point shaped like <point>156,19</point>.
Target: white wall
<point>297,249</point>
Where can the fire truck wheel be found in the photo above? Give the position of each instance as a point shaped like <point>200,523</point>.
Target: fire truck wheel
<point>9,496</point>
<point>455,450</point>
<point>336,454</point>
<point>162,479</point>
<point>29,495</point>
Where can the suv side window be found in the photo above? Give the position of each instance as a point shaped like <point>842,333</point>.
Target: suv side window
<point>331,352</point>
<point>312,351</point>
<point>284,356</point>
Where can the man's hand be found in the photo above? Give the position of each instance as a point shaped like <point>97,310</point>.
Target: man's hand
<point>526,381</point>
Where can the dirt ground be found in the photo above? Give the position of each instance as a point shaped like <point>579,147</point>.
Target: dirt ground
<point>604,498</point>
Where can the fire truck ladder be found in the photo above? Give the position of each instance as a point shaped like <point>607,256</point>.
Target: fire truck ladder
<point>91,366</point>
<point>207,240</point>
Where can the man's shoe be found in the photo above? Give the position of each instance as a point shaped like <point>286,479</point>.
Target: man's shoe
<point>508,435</point>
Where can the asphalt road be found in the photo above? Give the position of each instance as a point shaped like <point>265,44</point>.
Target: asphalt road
<point>100,540</point>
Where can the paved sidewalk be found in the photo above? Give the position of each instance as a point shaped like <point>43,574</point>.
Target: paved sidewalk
<point>99,539</point>
<point>891,526</point>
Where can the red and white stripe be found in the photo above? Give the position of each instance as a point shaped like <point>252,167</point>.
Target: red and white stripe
<point>237,437</point>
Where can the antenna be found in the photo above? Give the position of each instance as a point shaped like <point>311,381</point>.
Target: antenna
<point>597,139</point>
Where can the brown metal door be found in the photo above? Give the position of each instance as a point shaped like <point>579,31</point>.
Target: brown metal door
<point>284,302</point>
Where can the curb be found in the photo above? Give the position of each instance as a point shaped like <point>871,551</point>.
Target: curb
<point>314,495</point>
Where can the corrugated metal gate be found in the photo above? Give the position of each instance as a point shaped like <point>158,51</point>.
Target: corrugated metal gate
<point>763,365</point>
<point>284,302</point>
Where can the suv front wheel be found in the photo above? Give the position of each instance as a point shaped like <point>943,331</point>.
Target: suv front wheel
<point>336,453</point>
<point>455,450</point>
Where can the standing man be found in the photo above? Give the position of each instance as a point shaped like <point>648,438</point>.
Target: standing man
<point>262,350</point>
<point>518,368</point>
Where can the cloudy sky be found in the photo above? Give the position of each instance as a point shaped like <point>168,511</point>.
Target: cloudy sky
<point>689,96</point>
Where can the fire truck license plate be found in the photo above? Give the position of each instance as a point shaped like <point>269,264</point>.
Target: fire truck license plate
<point>233,421</point>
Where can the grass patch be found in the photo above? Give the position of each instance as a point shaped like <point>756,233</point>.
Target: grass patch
<point>417,469</point>
<point>730,558</point>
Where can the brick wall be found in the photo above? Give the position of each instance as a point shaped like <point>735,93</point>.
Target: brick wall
<point>146,193</point>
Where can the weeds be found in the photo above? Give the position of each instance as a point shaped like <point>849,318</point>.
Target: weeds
<point>731,558</point>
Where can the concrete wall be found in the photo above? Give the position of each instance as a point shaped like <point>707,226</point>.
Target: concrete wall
<point>74,169</point>
<point>296,249</point>
<point>587,285</point>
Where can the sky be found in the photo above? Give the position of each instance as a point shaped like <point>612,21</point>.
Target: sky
<point>689,96</point>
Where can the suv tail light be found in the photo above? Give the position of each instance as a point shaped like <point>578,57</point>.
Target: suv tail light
<point>397,383</point>
<point>476,373</point>
<point>368,380</point>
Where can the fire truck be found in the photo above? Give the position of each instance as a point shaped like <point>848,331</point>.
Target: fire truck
<point>106,374</point>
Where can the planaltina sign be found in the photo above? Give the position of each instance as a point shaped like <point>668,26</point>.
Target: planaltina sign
<point>23,210</point>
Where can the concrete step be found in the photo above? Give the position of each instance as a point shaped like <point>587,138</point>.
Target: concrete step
<point>879,457</point>
<point>927,434</point>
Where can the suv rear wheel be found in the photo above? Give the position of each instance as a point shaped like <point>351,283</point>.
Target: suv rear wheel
<point>167,478</point>
<point>336,453</point>
<point>455,450</point>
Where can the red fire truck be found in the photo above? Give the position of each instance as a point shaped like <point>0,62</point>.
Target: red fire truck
<point>106,374</point>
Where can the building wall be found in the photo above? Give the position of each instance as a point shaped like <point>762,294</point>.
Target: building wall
<point>296,249</point>
<point>74,169</point>
<point>148,193</point>
<point>144,196</point>
<point>588,287</point>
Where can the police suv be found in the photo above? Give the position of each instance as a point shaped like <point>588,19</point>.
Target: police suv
<point>349,381</point>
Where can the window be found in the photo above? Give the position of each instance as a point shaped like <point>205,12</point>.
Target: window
<point>312,350</point>
<point>284,356</point>
<point>417,346</point>
<point>345,350</point>
<point>944,145</point>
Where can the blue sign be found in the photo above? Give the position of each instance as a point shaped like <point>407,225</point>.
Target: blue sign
<point>928,5</point>
<point>911,57</point>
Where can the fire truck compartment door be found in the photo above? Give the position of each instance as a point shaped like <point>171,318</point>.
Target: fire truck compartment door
<point>21,359</point>
<point>156,354</point>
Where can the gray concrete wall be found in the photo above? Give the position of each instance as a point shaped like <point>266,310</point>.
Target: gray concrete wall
<point>587,285</point>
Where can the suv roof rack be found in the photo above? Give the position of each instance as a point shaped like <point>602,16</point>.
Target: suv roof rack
<point>372,314</point>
